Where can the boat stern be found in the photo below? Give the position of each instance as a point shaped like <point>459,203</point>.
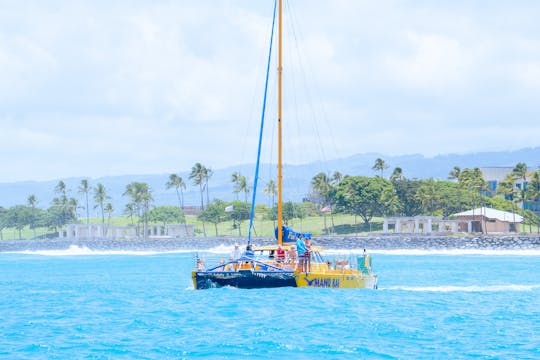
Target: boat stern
<point>194,279</point>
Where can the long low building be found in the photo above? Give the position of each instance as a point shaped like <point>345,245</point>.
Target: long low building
<point>102,231</point>
<point>420,224</point>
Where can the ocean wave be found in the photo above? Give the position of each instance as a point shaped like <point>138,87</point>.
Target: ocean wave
<point>470,288</point>
<point>221,249</point>
<point>75,250</point>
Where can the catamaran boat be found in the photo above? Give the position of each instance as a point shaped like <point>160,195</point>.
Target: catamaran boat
<point>260,266</point>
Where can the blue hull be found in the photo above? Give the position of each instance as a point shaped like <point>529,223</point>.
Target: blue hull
<point>244,279</point>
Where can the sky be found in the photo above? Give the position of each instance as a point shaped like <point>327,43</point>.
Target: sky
<point>100,88</point>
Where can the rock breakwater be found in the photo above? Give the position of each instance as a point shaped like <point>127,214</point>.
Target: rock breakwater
<point>371,242</point>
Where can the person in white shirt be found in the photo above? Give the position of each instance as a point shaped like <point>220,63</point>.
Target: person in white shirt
<point>236,252</point>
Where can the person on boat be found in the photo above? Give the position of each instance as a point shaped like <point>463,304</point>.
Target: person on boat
<point>303,252</point>
<point>236,252</point>
<point>308,257</point>
<point>200,265</point>
<point>291,255</point>
<point>280,253</point>
<point>249,251</point>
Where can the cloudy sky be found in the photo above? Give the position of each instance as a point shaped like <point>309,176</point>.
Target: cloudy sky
<point>96,88</point>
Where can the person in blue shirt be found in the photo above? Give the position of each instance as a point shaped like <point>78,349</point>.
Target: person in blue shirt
<point>249,251</point>
<point>302,251</point>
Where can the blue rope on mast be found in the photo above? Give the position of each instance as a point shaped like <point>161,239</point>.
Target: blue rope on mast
<point>256,180</point>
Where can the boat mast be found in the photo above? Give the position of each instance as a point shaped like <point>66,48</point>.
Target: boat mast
<point>280,165</point>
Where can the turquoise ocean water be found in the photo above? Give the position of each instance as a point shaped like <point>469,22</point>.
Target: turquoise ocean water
<point>80,304</point>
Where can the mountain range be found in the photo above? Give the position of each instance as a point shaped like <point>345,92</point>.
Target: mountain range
<point>296,181</point>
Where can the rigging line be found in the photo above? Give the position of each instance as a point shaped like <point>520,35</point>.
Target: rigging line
<point>271,168</point>
<point>267,154</point>
<point>294,92</point>
<point>248,127</point>
<point>310,100</point>
<point>306,88</point>
<point>296,149</point>
<point>252,214</point>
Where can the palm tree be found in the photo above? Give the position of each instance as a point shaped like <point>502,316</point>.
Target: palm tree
<point>480,187</point>
<point>380,165</point>
<point>322,189</point>
<point>141,196</point>
<point>236,179</point>
<point>533,193</point>
<point>454,174</point>
<point>84,188</point>
<point>520,173</point>
<point>61,188</point>
<point>271,191</point>
<point>336,178</point>
<point>508,190</point>
<point>130,211</point>
<point>397,174</point>
<point>62,202</point>
<point>208,172</point>
<point>178,184</point>
<point>198,177</point>
<point>109,210</point>
<point>244,187</point>
<point>428,196</point>
<point>73,204</point>
<point>472,180</point>
<point>100,195</point>
<point>32,201</point>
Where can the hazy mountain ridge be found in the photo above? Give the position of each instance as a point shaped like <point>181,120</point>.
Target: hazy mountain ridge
<point>296,177</point>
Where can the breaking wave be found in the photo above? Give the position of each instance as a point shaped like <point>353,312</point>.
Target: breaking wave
<point>75,250</point>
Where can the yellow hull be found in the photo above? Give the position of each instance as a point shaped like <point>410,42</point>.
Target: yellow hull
<point>336,280</point>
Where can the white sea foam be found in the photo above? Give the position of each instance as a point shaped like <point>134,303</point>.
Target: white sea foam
<point>75,250</point>
<point>221,249</point>
<point>471,288</point>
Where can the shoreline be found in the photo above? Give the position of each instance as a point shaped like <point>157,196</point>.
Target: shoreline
<point>369,242</point>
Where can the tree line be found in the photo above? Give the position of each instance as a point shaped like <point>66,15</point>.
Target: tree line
<point>362,196</point>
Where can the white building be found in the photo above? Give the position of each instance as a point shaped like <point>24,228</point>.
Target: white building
<point>102,231</point>
<point>420,224</point>
<point>494,175</point>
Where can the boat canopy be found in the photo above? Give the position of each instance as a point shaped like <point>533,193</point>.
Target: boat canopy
<point>289,235</point>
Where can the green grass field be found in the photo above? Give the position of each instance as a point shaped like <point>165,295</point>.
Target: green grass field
<point>342,224</point>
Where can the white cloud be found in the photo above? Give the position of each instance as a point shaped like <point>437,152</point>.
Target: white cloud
<point>430,62</point>
<point>96,88</point>
<point>528,74</point>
